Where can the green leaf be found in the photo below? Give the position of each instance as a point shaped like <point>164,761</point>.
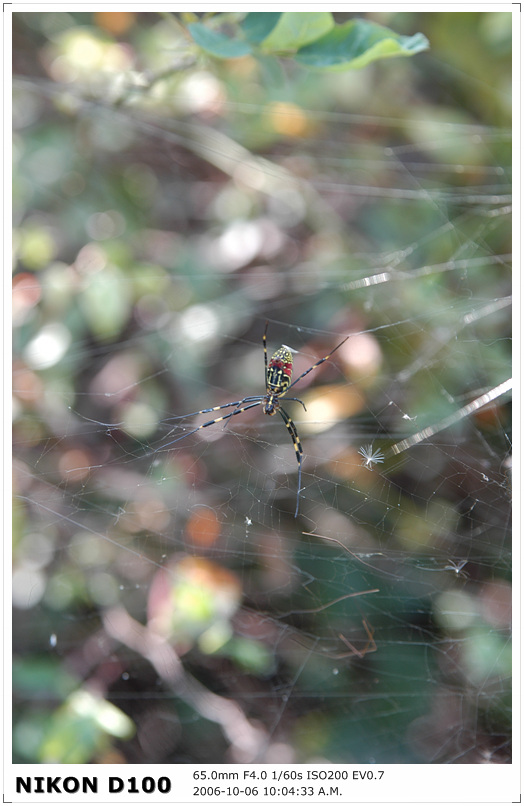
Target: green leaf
<point>218,44</point>
<point>356,44</point>
<point>297,28</point>
<point>257,25</point>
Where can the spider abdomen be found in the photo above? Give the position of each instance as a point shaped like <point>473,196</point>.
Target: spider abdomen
<point>279,371</point>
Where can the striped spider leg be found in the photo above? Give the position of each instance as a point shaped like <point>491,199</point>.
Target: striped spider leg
<point>278,369</point>
<point>253,401</point>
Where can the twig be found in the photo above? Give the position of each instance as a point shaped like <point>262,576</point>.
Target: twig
<point>247,740</point>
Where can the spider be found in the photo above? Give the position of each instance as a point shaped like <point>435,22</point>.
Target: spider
<point>278,383</point>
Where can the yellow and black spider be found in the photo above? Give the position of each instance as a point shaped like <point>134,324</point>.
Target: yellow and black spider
<point>278,383</point>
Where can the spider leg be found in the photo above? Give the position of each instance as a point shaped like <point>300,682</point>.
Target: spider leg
<point>211,422</point>
<point>264,342</point>
<point>291,427</point>
<point>216,408</point>
<point>253,398</point>
<point>317,364</point>
<point>298,401</point>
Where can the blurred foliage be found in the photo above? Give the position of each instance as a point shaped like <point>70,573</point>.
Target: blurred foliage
<point>311,38</point>
<point>77,731</point>
<point>165,205</point>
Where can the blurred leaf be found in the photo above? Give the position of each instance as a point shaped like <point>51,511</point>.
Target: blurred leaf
<point>28,732</point>
<point>356,44</point>
<point>43,675</point>
<point>18,522</point>
<point>276,32</point>
<point>36,247</point>
<point>188,16</point>
<point>253,656</point>
<point>218,44</point>
<point>487,654</point>
<point>215,637</point>
<point>270,69</point>
<point>80,729</point>
<point>106,303</point>
<point>194,597</point>
<point>297,28</point>
<point>258,25</point>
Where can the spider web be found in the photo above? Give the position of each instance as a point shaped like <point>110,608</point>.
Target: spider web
<point>374,627</point>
